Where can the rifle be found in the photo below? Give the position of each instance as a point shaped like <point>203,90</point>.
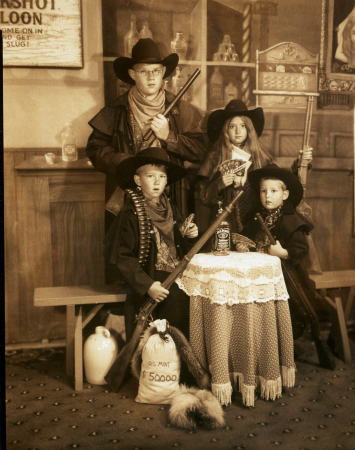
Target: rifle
<point>118,370</point>
<point>115,202</point>
<point>149,134</point>
<point>325,358</point>
<point>304,208</point>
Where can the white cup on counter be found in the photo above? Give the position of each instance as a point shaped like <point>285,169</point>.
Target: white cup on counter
<point>50,157</point>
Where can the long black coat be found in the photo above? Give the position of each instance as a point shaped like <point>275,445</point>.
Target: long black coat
<point>291,230</point>
<point>122,249</point>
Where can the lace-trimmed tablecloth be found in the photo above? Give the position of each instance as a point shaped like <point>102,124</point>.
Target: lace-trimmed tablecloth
<point>245,342</point>
<point>234,278</point>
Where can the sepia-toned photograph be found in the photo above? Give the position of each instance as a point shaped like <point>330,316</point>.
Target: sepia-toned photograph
<point>179,224</point>
<point>342,23</point>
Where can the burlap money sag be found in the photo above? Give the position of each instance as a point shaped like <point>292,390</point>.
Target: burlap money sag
<point>160,370</point>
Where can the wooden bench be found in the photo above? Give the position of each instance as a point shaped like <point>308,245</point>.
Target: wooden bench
<point>339,279</point>
<point>73,298</point>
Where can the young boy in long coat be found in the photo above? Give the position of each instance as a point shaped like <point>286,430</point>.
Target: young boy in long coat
<point>280,192</point>
<point>147,239</point>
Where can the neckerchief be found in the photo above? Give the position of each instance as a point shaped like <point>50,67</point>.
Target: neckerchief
<point>144,110</point>
<point>270,218</point>
<point>161,215</point>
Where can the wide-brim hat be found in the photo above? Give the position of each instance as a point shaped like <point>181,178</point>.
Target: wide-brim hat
<point>153,155</point>
<point>235,107</point>
<point>291,181</point>
<point>144,51</point>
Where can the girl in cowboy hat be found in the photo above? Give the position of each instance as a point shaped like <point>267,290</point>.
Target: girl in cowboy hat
<point>233,133</point>
<point>147,238</point>
<point>235,149</point>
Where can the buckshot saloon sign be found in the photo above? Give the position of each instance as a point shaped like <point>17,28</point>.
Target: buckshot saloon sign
<point>42,33</point>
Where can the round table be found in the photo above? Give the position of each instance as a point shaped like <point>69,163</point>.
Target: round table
<point>240,325</point>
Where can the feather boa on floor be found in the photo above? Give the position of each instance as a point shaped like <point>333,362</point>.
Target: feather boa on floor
<point>191,408</point>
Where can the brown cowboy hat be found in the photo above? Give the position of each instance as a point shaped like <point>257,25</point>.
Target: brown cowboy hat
<point>153,155</point>
<point>291,181</point>
<point>235,107</point>
<point>144,51</point>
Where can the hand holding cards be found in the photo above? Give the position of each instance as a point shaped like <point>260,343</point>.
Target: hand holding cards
<point>234,171</point>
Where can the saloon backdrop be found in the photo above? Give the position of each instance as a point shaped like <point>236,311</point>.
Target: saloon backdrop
<point>54,213</point>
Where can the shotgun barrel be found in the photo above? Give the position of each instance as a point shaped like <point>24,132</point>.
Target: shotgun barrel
<point>118,370</point>
<point>303,163</point>
<point>182,91</point>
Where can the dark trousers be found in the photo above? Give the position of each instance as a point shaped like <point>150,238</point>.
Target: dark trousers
<point>175,308</point>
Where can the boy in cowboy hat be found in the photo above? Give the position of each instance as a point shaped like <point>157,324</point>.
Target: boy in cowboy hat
<point>118,129</point>
<point>146,241</point>
<point>280,192</point>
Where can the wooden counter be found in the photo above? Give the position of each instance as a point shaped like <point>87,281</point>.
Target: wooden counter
<point>54,237</point>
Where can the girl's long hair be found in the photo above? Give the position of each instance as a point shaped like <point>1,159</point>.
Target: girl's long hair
<point>223,145</point>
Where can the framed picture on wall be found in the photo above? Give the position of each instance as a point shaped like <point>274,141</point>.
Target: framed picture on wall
<point>44,33</point>
<point>337,62</point>
<point>341,38</point>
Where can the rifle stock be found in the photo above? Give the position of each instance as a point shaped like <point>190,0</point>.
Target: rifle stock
<point>118,370</point>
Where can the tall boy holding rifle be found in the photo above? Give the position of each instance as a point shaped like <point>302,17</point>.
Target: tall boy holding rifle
<point>147,238</point>
<point>120,129</point>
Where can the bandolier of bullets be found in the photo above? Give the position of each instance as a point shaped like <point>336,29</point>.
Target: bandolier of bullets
<point>144,223</point>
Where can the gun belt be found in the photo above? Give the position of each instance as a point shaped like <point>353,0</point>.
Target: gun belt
<point>144,224</point>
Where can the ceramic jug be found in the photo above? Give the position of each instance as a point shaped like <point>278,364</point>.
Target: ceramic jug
<point>100,351</point>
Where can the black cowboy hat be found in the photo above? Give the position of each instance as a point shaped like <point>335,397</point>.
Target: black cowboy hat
<point>235,107</point>
<point>291,181</point>
<point>153,155</point>
<point>144,51</point>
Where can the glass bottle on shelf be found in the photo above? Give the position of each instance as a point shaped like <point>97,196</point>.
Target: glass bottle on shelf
<point>131,37</point>
<point>179,45</point>
<point>226,50</point>
<point>222,237</point>
<point>69,150</point>
<point>145,31</point>
<point>230,92</point>
<point>216,93</point>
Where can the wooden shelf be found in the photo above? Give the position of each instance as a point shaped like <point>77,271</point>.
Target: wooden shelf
<point>230,64</point>
<point>39,163</point>
<point>203,22</point>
